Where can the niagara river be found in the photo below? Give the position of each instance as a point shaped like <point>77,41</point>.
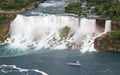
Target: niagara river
<point>43,40</point>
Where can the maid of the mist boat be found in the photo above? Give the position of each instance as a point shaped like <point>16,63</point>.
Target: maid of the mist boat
<point>74,63</point>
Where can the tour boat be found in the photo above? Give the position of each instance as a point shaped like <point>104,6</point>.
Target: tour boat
<point>74,63</point>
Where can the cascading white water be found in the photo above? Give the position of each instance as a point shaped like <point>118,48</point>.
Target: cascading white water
<point>108,26</point>
<point>52,31</point>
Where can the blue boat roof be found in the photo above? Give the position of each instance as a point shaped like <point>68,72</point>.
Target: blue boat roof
<point>73,61</point>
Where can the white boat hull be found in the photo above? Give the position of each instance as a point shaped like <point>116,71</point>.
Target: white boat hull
<point>74,64</point>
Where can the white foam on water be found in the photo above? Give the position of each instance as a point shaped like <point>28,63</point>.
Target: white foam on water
<point>88,45</point>
<point>14,68</point>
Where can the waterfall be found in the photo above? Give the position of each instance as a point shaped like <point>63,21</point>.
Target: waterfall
<point>53,31</point>
<point>108,26</point>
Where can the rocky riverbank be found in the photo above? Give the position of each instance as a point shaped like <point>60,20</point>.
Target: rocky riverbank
<point>109,41</point>
<point>105,43</point>
<point>5,20</point>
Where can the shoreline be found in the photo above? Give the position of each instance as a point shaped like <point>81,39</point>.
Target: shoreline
<point>12,11</point>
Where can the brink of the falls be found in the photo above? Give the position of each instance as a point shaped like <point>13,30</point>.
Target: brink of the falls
<point>54,32</point>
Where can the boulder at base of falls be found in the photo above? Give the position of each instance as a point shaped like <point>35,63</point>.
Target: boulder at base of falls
<point>105,43</point>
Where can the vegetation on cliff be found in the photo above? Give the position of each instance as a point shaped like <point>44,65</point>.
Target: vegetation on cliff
<point>108,42</point>
<point>115,35</point>
<point>73,7</point>
<point>16,4</point>
<point>109,9</point>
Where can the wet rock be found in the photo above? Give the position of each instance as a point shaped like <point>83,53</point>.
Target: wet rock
<point>100,24</point>
<point>64,31</point>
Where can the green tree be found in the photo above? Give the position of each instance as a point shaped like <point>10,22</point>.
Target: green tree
<point>73,7</point>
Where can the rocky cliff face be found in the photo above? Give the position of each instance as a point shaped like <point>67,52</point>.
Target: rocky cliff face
<point>115,25</point>
<point>5,20</point>
<point>104,42</point>
<point>100,24</point>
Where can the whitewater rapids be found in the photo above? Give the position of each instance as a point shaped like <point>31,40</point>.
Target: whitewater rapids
<point>13,68</point>
<point>54,32</point>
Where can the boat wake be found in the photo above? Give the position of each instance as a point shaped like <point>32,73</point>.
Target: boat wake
<point>17,70</point>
